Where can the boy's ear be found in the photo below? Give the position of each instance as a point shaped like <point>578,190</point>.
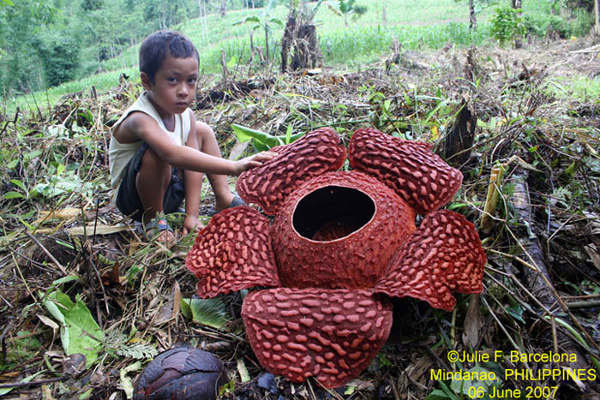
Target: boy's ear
<point>146,81</point>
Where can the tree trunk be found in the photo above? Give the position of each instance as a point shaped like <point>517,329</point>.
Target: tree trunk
<point>267,43</point>
<point>383,13</point>
<point>472,18</point>
<point>288,38</point>
<point>517,5</point>
<point>203,24</point>
<point>597,16</point>
<point>306,48</point>
<point>223,8</point>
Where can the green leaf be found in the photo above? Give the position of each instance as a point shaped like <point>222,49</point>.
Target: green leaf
<point>276,21</point>
<point>18,183</point>
<point>517,312</point>
<point>64,279</point>
<point>13,195</point>
<point>126,382</point>
<point>570,171</point>
<point>79,331</point>
<point>288,134</point>
<point>437,395</point>
<point>24,380</point>
<point>263,141</point>
<point>253,18</point>
<point>211,312</point>
<point>463,386</point>
<point>244,134</point>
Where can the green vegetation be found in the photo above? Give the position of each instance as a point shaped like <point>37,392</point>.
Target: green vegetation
<point>415,24</point>
<point>507,24</point>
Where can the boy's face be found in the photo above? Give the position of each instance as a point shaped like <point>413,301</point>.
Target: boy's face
<point>174,86</point>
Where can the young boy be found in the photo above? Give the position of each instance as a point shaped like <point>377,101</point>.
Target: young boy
<point>159,152</point>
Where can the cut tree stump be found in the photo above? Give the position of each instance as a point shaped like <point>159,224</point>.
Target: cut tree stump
<point>459,141</point>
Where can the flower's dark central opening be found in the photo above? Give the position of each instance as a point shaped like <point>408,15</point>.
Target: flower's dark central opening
<point>332,212</point>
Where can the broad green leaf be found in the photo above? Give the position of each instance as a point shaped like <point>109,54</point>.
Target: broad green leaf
<point>54,311</point>
<point>13,195</point>
<point>262,141</point>
<point>79,331</point>
<point>211,312</point>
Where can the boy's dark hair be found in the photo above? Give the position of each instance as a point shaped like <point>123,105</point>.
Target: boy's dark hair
<point>159,45</point>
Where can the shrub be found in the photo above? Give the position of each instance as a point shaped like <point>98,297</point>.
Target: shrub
<point>507,24</point>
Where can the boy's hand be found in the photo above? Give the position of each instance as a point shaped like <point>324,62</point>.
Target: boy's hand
<point>191,224</point>
<point>254,161</point>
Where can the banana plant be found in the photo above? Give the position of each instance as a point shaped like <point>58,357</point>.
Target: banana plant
<point>346,8</point>
<point>264,20</point>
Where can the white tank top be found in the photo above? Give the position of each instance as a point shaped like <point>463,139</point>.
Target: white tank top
<point>119,154</point>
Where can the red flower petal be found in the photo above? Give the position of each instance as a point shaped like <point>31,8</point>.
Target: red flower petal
<point>329,334</point>
<point>339,231</point>
<point>418,175</point>
<point>269,185</point>
<point>443,255</point>
<point>233,252</point>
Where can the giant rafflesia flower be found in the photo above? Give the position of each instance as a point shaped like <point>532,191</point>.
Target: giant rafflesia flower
<point>340,244</point>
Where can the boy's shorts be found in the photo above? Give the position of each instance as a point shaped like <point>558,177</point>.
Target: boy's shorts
<point>128,200</point>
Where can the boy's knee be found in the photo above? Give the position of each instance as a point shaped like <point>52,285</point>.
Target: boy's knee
<point>203,130</point>
<point>151,162</point>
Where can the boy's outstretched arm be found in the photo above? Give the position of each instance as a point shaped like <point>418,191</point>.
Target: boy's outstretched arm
<point>187,158</point>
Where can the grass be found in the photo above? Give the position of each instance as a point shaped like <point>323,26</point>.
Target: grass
<point>581,88</point>
<point>415,23</point>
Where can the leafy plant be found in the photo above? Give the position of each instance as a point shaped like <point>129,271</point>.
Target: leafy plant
<point>507,24</point>
<point>79,332</point>
<point>265,21</point>
<point>263,141</point>
<point>118,344</point>
<point>20,348</point>
<point>348,8</point>
<point>211,312</point>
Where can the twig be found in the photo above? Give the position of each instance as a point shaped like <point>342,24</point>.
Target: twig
<point>522,205</point>
<point>32,383</point>
<point>587,50</point>
<point>41,246</point>
<point>519,259</point>
<point>22,277</point>
<point>14,121</point>
<point>583,304</point>
<point>3,341</point>
<point>493,314</point>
